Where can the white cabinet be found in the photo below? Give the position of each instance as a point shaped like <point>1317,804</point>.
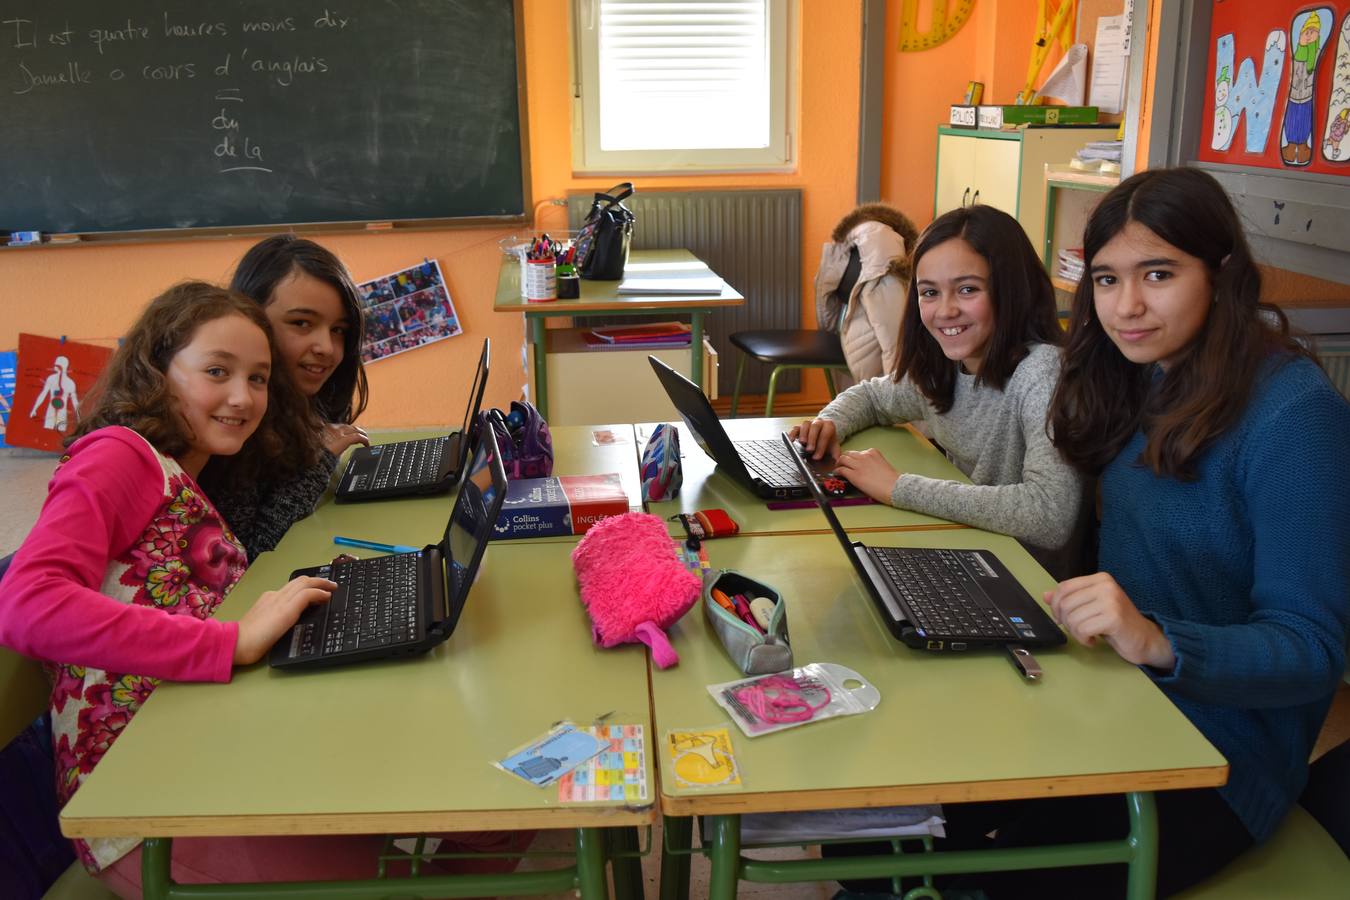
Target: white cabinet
<point>1004,169</point>
<point>587,386</point>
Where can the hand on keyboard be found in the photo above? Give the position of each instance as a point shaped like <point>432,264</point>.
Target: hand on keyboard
<point>818,438</point>
<point>337,438</point>
<point>869,472</point>
<point>274,613</point>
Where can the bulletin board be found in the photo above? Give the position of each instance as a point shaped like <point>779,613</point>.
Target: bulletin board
<point>1277,88</point>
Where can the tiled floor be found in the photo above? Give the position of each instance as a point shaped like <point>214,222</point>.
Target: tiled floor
<point>23,485</point>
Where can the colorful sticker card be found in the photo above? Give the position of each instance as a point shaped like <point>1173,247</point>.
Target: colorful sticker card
<point>546,759</point>
<point>618,772</point>
<point>406,310</point>
<point>702,758</point>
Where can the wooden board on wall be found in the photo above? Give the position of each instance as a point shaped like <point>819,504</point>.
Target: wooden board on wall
<point>1089,11</point>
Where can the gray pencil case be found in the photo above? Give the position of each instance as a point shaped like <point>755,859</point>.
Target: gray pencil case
<point>753,651</point>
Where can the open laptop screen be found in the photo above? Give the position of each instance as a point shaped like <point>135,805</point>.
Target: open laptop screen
<point>475,403</point>
<point>476,505</point>
<point>824,503</point>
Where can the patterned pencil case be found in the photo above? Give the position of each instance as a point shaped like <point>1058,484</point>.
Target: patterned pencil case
<point>750,619</point>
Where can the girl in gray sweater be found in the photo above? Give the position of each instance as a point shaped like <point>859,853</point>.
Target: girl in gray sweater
<point>979,361</point>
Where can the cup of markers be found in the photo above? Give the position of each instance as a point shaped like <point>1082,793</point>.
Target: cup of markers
<point>569,282</point>
<point>538,280</point>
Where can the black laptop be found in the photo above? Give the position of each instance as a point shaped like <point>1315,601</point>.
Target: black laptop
<point>763,466</point>
<point>934,599</point>
<point>404,603</point>
<point>426,466</point>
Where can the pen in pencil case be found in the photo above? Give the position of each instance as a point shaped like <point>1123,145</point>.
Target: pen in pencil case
<point>372,545</point>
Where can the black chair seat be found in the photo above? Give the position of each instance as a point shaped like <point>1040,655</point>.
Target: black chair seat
<point>792,347</point>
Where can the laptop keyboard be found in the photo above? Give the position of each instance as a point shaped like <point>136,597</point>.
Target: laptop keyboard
<point>771,462</point>
<point>942,595</point>
<point>377,607</point>
<point>409,463</point>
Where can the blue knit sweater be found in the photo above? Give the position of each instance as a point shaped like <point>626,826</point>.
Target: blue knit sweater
<point>1247,571</point>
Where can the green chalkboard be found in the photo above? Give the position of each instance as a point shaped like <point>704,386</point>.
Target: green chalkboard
<point>125,115</point>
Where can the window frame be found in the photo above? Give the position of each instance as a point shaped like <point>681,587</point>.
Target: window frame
<point>779,156</point>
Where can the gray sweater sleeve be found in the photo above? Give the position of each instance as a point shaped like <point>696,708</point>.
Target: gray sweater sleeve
<point>1039,504</point>
<point>876,401</point>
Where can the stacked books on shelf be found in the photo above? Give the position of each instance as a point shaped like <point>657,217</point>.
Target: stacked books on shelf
<point>647,336</point>
<point>1070,266</point>
<point>1099,156</point>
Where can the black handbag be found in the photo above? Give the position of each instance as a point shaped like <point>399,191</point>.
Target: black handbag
<point>602,244</point>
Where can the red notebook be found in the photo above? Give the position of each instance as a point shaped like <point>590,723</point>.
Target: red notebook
<point>673,332</point>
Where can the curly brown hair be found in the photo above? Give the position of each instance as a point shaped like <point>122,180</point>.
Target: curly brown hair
<point>133,390</point>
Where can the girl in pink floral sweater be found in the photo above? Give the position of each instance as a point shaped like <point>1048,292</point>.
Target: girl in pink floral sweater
<point>115,587</point>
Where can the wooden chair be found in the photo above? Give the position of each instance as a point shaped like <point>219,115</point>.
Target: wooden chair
<point>787,349</point>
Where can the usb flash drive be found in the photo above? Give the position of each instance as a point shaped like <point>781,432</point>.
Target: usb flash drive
<point>1024,662</point>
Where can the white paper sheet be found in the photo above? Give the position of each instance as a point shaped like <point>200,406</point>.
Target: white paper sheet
<point>1109,63</point>
<point>1068,80</point>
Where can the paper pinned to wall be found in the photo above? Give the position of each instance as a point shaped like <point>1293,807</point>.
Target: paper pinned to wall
<point>1068,80</point>
<point>1109,60</point>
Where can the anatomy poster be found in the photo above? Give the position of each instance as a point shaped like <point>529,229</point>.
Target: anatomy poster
<point>52,383</point>
<point>1278,86</point>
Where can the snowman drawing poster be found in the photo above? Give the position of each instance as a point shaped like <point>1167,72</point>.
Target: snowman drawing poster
<point>52,382</point>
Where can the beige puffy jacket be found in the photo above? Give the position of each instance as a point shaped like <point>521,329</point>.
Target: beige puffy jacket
<point>868,320</point>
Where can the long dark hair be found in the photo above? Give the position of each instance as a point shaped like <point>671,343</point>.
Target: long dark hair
<point>271,261</point>
<point>134,392</point>
<point>1020,293</point>
<point>1103,398</point>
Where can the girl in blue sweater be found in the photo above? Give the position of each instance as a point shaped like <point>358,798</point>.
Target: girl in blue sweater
<point>1225,557</point>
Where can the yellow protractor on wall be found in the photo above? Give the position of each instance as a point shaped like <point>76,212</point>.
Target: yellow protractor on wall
<point>944,25</point>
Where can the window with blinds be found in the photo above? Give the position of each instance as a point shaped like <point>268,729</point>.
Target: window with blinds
<point>670,85</point>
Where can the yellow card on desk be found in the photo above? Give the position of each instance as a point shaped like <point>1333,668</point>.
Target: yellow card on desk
<point>702,758</point>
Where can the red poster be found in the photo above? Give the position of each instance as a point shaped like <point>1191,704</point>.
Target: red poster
<point>53,379</point>
<point>1277,93</point>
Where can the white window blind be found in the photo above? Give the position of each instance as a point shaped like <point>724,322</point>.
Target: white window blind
<point>671,84</point>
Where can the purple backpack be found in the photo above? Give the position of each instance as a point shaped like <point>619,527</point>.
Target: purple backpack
<point>522,435</point>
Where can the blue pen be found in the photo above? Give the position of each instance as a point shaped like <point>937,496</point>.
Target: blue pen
<point>371,545</point>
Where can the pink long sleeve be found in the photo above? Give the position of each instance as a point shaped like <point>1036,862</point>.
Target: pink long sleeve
<point>98,504</point>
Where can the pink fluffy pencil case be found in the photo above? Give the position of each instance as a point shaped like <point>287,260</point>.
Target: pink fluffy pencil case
<point>632,583</point>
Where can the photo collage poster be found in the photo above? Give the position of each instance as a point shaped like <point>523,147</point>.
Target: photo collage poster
<point>406,310</point>
<point>52,380</point>
<point>1277,90</point>
<point>9,365</point>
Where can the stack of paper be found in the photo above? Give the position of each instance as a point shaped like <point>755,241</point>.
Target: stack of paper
<point>1070,264</point>
<point>830,824</point>
<point>671,281</point>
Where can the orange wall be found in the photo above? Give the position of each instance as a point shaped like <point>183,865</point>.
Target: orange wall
<point>94,291</point>
<point>994,47</point>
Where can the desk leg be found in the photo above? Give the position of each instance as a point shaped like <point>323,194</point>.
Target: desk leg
<point>726,857</point>
<point>696,347</point>
<point>676,844</point>
<point>625,863</point>
<point>155,878</point>
<point>537,338</point>
<point>1143,840</point>
<point>591,880</point>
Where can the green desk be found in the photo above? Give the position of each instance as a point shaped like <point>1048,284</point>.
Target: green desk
<point>707,487</point>
<point>603,298</point>
<point>949,729</point>
<point>395,747</point>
